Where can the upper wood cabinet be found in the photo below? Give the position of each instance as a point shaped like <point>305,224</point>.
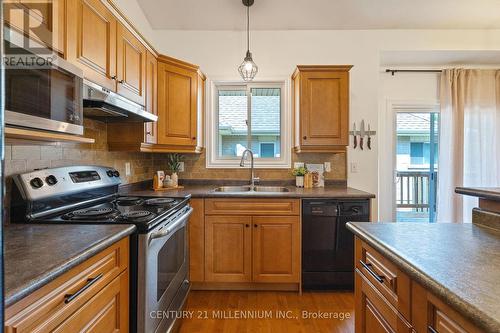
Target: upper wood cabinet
<point>151,128</point>
<point>321,108</point>
<point>131,66</point>
<point>91,41</point>
<point>177,103</point>
<point>45,21</point>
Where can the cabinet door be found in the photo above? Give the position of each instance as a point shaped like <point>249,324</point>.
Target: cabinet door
<point>105,312</point>
<point>276,249</point>
<point>228,251</point>
<point>177,105</point>
<point>45,21</point>
<point>130,66</point>
<point>373,313</point>
<point>91,41</point>
<point>196,231</point>
<point>324,108</point>
<point>151,128</point>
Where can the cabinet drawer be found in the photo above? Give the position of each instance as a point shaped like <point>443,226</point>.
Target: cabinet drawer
<point>105,312</point>
<point>391,282</point>
<point>262,206</point>
<point>49,306</point>
<point>373,312</point>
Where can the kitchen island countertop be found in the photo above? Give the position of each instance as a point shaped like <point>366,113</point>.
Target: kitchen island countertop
<point>457,262</point>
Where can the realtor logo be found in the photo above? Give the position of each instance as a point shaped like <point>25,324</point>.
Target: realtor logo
<point>29,33</point>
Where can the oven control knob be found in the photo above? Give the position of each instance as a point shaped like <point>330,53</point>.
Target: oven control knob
<point>110,173</point>
<point>36,182</point>
<point>51,180</point>
<point>116,173</point>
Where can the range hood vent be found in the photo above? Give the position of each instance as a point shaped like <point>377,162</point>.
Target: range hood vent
<point>101,104</point>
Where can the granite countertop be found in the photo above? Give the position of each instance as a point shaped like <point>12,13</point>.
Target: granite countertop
<point>207,191</point>
<point>457,262</point>
<point>37,254</point>
<point>491,193</point>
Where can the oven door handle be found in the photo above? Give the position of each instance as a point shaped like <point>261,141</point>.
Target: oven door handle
<point>171,228</point>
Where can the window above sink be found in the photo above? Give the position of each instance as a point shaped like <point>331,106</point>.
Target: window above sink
<point>249,115</point>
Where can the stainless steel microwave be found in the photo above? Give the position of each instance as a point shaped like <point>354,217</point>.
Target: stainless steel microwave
<point>46,98</point>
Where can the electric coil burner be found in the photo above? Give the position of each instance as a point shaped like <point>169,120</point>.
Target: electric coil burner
<point>159,253</point>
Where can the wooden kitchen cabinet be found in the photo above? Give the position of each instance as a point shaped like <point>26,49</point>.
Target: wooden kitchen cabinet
<point>91,41</point>
<point>196,231</point>
<point>321,108</point>
<point>151,128</point>
<point>228,249</point>
<point>130,66</point>
<point>276,248</point>
<point>103,306</point>
<point>46,21</point>
<point>251,243</point>
<point>177,104</point>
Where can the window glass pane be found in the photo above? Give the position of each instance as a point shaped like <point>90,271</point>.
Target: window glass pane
<point>232,125</point>
<point>266,122</point>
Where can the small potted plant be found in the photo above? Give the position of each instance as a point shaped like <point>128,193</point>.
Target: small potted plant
<point>299,174</point>
<point>174,165</point>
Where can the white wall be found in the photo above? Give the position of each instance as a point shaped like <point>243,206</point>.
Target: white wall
<point>277,52</point>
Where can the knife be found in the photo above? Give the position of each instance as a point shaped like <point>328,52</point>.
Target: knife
<point>362,134</point>
<point>355,135</point>
<point>369,142</point>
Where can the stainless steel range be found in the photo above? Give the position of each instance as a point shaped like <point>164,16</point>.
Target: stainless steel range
<point>159,254</point>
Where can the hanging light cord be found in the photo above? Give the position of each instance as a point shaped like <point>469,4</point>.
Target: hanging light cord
<point>248,28</point>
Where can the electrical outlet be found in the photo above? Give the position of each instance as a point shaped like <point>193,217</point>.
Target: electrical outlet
<point>354,167</point>
<point>181,166</point>
<point>328,167</point>
<point>127,169</point>
<point>297,165</point>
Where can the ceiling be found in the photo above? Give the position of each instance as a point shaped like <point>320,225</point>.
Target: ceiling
<point>322,14</point>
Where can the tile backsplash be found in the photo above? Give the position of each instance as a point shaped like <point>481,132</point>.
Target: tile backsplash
<point>22,157</point>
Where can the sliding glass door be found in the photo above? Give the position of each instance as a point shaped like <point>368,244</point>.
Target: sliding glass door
<point>416,171</point>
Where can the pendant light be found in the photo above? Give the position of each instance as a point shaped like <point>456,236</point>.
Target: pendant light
<point>248,69</point>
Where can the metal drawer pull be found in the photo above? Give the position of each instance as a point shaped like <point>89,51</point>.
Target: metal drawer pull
<point>431,329</point>
<point>368,267</point>
<point>90,281</point>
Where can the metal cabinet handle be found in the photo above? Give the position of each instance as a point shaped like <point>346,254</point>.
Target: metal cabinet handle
<point>247,225</point>
<point>255,225</point>
<point>121,81</point>
<point>148,133</point>
<point>431,329</point>
<point>113,77</point>
<point>90,281</point>
<point>304,137</point>
<point>368,267</point>
<point>194,138</point>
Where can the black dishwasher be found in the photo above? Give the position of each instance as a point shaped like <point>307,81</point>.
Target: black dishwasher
<point>327,245</point>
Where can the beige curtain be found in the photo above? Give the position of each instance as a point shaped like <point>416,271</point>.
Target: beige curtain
<point>469,142</point>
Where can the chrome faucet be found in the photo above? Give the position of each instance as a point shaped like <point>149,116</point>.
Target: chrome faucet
<point>253,179</point>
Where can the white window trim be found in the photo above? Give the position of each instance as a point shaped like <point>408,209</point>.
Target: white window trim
<point>212,159</point>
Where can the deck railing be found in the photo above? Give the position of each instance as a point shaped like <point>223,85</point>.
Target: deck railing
<point>412,190</point>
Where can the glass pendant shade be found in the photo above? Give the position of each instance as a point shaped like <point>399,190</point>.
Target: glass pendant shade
<point>248,69</point>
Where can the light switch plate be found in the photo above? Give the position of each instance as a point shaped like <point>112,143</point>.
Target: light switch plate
<point>354,167</point>
<point>181,166</point>
<point>297,165</point>
<point>127,169</point>
<point>328,167</point>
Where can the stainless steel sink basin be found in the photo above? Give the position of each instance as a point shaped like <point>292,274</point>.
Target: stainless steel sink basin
<point>239,189</point>
<point>270,189</point>
<point>233,189</point>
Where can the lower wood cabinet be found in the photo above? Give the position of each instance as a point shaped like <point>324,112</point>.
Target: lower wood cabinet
<point>387,300</point>
<point>91,297</point>
<point>228,249</point>
<point>245,243</point>
<point>276,249</point>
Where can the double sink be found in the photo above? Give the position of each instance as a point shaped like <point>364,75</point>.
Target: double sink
<point>248,188</point>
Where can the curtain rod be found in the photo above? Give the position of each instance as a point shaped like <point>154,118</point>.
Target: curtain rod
<point>393,71</point>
